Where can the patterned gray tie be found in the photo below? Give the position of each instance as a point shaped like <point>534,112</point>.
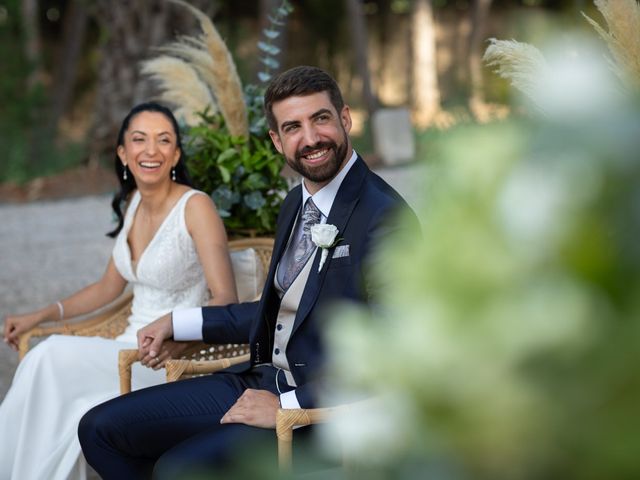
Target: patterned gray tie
<point>305,247</point>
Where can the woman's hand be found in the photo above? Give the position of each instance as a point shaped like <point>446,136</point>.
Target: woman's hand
<point>16,325</point>
<point>170,349</point>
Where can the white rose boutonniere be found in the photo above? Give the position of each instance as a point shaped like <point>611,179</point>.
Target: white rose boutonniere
<point>324,236</point>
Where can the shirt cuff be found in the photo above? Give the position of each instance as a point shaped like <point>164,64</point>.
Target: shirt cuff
<point>187,324</point>
<point>289,400</point>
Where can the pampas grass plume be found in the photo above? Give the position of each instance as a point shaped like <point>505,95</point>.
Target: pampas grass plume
<point>218,70</point>
<point>181,86</point>
<point>520,63</point>
<point>623,36</point>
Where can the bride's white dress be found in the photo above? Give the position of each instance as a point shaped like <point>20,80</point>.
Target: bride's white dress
<point>64,376</point>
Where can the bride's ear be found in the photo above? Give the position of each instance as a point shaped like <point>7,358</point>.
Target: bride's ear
<point>121,154</point>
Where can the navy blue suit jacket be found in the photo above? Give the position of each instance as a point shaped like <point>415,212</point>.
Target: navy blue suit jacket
<point>360,211</point>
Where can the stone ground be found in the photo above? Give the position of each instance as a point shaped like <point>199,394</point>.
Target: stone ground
<point>52,248</point>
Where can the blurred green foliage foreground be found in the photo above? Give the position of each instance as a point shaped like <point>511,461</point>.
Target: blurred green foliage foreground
<point>507,342</point>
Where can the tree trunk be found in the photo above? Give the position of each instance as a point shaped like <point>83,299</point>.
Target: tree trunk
<point>36,138</point>
<point>66,69</point>
<point>426,94</point>
<point>480,13</point>
<point>33,44</point>
<point>359,31</point>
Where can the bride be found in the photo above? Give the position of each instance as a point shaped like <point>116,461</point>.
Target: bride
<point>171,246</point>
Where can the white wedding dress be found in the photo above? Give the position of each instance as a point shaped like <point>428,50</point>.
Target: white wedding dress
<point>64,376</point>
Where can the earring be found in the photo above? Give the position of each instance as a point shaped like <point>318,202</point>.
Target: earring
<point>173,174</point>
<point>124,173</point>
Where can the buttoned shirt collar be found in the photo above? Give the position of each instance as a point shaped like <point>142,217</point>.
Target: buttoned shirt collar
<point>324,197</point>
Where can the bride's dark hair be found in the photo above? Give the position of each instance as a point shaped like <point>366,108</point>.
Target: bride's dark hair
<point>129,185</point>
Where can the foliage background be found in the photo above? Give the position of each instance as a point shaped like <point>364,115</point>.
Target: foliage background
<point>42,134</point>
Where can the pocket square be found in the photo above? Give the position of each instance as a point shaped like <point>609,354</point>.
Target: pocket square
<point>341,251</point>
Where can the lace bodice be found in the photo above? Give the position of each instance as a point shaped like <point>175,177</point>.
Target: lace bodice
<point>168,274</point>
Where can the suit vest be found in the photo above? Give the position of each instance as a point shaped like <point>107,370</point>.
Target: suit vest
<point>286,317</point>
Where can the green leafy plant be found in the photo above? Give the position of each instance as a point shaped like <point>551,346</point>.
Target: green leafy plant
<point>241,173</point>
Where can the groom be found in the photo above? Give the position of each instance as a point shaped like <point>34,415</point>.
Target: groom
<point>202,422</point>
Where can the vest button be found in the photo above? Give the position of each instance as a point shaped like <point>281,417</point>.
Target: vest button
<point>277,351</point>
<point>279,326</point>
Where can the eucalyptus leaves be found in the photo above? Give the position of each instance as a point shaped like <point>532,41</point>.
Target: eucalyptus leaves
<point>269,50</point>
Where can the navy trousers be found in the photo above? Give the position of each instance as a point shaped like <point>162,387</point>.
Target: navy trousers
<point>172,430</point>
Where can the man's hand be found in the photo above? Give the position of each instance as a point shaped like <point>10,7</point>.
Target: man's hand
<point>169,350</point>
<point>256,408</point>
<point>150,338</point>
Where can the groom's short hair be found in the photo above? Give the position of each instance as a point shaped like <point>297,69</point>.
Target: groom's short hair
<point>298,82</point>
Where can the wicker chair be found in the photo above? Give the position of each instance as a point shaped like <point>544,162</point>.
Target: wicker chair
<point>200,353</point>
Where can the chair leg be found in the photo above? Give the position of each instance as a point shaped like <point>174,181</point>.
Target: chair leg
<point>285,448</point>
<point>284,431</point>
<point>285,453</point>
<point>125,359</point>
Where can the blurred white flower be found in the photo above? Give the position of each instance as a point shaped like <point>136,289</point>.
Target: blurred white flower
<point>372,431</point>
<point>578,84</point>
<point>529,204</point>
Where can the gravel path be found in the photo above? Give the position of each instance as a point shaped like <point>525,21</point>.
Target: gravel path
<point>51,249</point>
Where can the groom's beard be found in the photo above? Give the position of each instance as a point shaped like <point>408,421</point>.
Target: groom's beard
<point>326,171</point>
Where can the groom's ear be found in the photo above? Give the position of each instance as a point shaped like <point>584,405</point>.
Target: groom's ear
<point>275,138</point>
<point>345,118</point>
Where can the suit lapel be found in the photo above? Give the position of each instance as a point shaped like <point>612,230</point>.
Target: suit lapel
<point>341,210</point>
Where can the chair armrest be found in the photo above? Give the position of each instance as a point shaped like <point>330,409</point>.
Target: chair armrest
<point>288,419</point>
<point>109,323</point>
<point>126,359</point>
<point>178,368</point>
